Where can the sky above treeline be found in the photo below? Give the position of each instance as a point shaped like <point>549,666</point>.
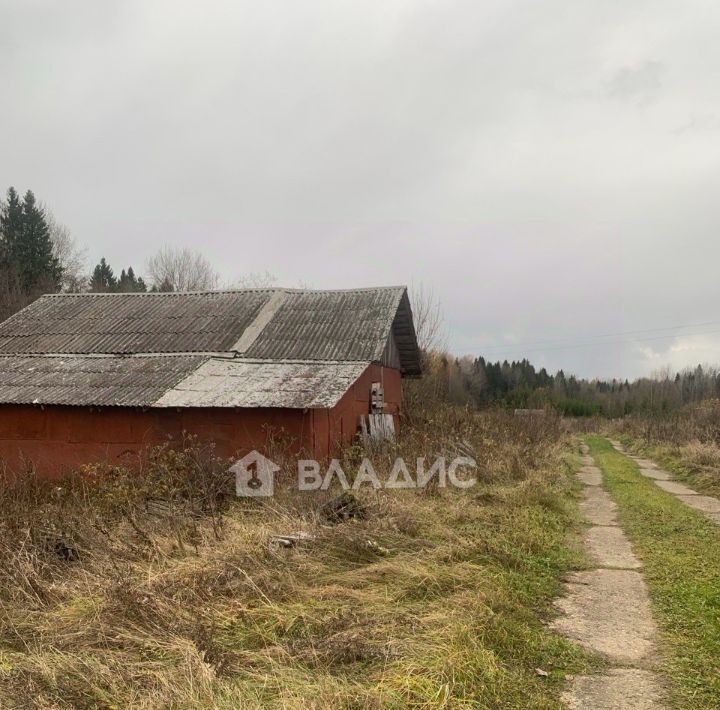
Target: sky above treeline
<point>550,169</point>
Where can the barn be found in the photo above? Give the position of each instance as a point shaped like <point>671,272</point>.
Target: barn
<point>101,377</point>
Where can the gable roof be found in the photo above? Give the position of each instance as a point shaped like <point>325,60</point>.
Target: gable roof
<point>302,325</point>
<point>133,349</point>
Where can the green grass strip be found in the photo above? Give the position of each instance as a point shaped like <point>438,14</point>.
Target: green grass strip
<point>680,549</point>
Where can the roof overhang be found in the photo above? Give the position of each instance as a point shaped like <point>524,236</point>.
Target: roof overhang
<point>264,383</point>
<point>174,381</point>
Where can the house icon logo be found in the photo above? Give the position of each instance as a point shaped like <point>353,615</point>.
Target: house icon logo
<point>254,476</point>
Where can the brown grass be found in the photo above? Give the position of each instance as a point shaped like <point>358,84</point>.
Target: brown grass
<point>161,590</point>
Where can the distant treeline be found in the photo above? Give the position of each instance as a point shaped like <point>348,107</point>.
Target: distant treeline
<point>38,255</point>
<point>518,384</point>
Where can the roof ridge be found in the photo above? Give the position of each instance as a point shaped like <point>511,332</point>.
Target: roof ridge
<point>217,355</point>
<point>224,354</point>
<point>208,292</point>
<point>147,294</point>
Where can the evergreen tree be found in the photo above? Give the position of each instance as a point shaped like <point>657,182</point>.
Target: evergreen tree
<point>129,283</point>
<point>103,278</point>
<point>25,246</point>
<point>11,226</point>
<point>38,267</point>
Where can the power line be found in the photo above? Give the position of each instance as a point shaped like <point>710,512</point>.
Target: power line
<point>513,346</point>
<point>611,342</point>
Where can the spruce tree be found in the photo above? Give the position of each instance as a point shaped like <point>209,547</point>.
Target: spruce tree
<point>103,278</point>
<point>39,269</point>
<point>26,249</point>
<point>11,225</point>
<point>129,283</point>
<point>138,283</point>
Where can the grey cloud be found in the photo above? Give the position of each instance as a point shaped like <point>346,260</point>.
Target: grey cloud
<point>463,144</point>
<point>704,123</point>
<point>639,84</point>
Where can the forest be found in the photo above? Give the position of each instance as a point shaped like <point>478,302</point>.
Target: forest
<point>518,384</point>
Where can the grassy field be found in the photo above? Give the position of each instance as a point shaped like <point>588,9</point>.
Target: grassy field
<point>680,549</point>
<point>435,599</point>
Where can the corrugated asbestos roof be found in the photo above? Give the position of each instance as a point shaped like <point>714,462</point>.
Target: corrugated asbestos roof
<point>132,323</point>
<point>289,348</point>
<point>329,325</point>
<point>86,381</point>
<point>245,383</point>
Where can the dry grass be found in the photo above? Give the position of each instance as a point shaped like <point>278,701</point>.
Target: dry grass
<point>686,442</point>
<point>111,599</point>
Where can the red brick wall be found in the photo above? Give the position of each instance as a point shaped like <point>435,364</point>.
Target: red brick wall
<point>58,439</point>
<point>344,418</point>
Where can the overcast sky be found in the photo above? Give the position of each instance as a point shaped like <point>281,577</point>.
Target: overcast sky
<point>551,169</point>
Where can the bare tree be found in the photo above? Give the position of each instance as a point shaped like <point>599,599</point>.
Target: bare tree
<point>428,317</point>
<point>72,258</point>
<point>174,269</point>
<point>255,279</point>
